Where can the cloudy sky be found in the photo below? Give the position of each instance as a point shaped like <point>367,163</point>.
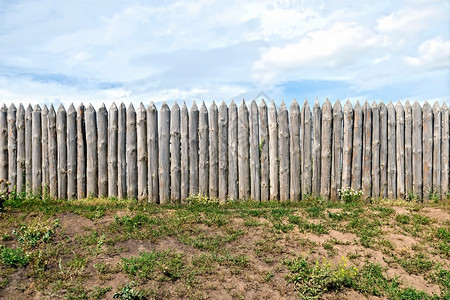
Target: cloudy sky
<point>103,51</point>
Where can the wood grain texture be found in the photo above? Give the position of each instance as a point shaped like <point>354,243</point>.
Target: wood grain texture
<point>28,148</point>
<point>273,153</point>
<point>4,146</point>
<point>71,152</point>
<point>113,175</point>
<point>213,151</point>
<point>91,152</point>
<point>12,146</point>
<point>142,151</point>
<point>306,148</point>
<point>223,152</point>
<point>366,174</point>
<point>392,165</point>
<point>445,168</point>
<point>383,151</point>
<point>375,150</point>
<point>295,151</point>
<point>336,160</point>
<point>102,151</point>
<point>81,153</point>
<point>122,152</point>
<point>284,152</point>
<point>400,149</point>
<point>20,121</point>
<point>233,192</point>
<point>427,154</point>
<point>131,148</point>
<point>357,147</point>
<point>255,164</point>
<point>327,127</point>
<point>417,150</point>
<point>203,154</point>
<point>408,149</point>
<point>61,132</point>
<point>164,154</point>
<point>184,132</point>
<point>264,136</point>
<point>437,120</point>
<point>45,166</point>
<point>36,132</point>
<point>243,152</point>
<point>317,148</point>
<point>193,150</point>
<point>52,152</point>
<point>347,145</point>
<point>153,153</point>
<point>175,154</point>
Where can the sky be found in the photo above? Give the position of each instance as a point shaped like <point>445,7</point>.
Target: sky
<point>141,51</point>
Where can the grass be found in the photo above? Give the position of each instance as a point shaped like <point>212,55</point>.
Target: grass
<point>104,248</point>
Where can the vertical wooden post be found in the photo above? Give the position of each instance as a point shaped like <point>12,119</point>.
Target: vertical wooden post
<point>71,152</point>
<point>417,149</point>
<point>213,151</point>
<point>306,150</point>
<point>102,142</point>
<point>336,161</point>
<point>391,166</point>
<point>255,166</point>
<point>142,164</point>
<point>264,134</point>
<point>327,127</point>
<point>437,119</point>
<point>408,149</point>
<point>357,146</point>
<point>122,152</point>
<point>175,156</point>
<point>28,148</point>
<point>375,150</point>
<point>203,159</point>
<point>131,153</point>
<point>153,153</point>
<point>3,146</point>
<point>383,151</point>
<point>45,167</point>
<point>113,124</point>
<point>223,151</point>
<point>366,175</point>
<point>427,129</point>
<point>20,149</point>
<point>193,150</point>
<point>36,151</point>
<point>81,152</point>
<point>295,152</point>
<point>243,152</point>
<point>12,147</point>
<point>184,132</point>
<point>347,145</point>
<point>283,155</point>
<point>273,153</point>
<point>91,152</point>
<point>233,152</point>
<point>61,129</point>
<point>317,147</point>
<point>445,151</point>
<point>164,154</point>
<point>400,149</point>
<point>52,152</point>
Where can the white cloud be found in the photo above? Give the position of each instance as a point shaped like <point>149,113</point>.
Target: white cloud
<point>433,54</point>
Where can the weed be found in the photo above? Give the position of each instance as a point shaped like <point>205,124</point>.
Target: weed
<point>268,276</point>
<point>31,235</point>
<point>128,293</point>
<point>421,220</point>
<point>315,211</point>
<point>13,257</point>
<point>349,195</point>
<point>99,292</point>
<point>418,264</point>
<point>403,219</point>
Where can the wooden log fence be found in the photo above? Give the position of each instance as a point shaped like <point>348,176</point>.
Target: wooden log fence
<point>253,151</point>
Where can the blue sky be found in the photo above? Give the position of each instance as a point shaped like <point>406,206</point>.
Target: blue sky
<point>104,51</point>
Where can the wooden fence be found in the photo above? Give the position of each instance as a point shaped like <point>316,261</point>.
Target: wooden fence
<point>255,152</point>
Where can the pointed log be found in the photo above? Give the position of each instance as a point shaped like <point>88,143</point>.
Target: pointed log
<point>264,134</point>
<point>175,155</point>
<point>295,152</point>
<point>255,166</point>
<point>327,126</point>
<point>28,148</point>
<point>306,150</point>
<point>357,147</point>
<point>213,151</point>
<point>408,150</point>
<point>153,153</point>
<point>102,148</point>
<point>417,150</point>
<point>283,155</point>
<point>400,149</point>
<point>45,167</point>
<point>184,132</point>
<point>203,159</point>
<point>113,176</point>
<point>21,149</point>
<point>91,152</point>
<point>12,147</point>
<point>71,152</point>
<point>336,160</point>
<point>122,152</point>
<point>317,148</point>
<point>347,145</point>
<point>366,174</point>
<point>243,152</point>
<point>445,168</point>
<point>233,192</point>
<point>61,131</point>
<point>427,130</point>
<point>193,150</point>
<point>52,152</point>
<point>437,120</point>
<point>223,151</point>
<point>142,155</point>
<point>81,153</point>
<point>132,175</point>
<point>383,151</point>
<point>164,154</point>
<point>375,151</point>
<point>273,153</point>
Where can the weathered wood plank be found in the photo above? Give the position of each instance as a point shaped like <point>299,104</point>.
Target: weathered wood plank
<point>102,145</point>
<point>306,147</point>
<point>122,152</point>
<point>427,131</point>
<point>142,155</point>
<point>213,151</point>
<point>295,151</point>
<point>81,153</point>
<point>12,146</point>
<point>336,161</point>
<point>283,155</point>
<point>36,131</point>
<point>400,149</point>
<point>61,132</point>
<point>132,173</point>
<point>317,148</point>
<point>391,166</point>
<point>445,168</point>
<point>255,164</point>
<point>357,147</point>
<point>45,167</point>
<point>91,152</point>
<point>72,152</point>
<point>175,155</point>
<point>3,146</point>
<point>417,150</point>
<point>243,152</point>
<point>223,151</point>
<point>203,151</point>
<point>264,135</point>
<point>366,174</point>
<point>327,126</point>
<point>153,153</point>
<point>21,149</point>
<point>408,149</point>
<point>52,152</point>
<point>193,149</point>
<point>164,154</point>
<point>184,131</point>
<point>347,145</point>
<point>383,151</point>
<point>233,192</point>
<point>273,153</point>
<point>437,120</point>
<point>28,148</point>
<point>375,150</point>
<point>113,176</point>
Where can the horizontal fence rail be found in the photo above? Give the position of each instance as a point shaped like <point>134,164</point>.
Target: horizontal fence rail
<point>259,152</point>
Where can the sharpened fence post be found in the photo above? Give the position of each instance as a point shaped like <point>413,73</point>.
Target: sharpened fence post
<point>142,164</point>
<point>264,134</point>
<point>391,154</point>
<point>427,131</point>
<point>417,150</point>
<point>445,151</point>
<point>21,149</point>
<point>243,152</point>
<point>233,192</point>
<point>113,178</point>
<point>317,148</point>
<point>437,119</point>
<point>45,167</point>
<point>91,152</point>
<point>255,168</point>
<point>375,151</point>
<point>408,150</point>
<point>283,155</point>
<point>37,149</point>
<point>306,148</point>
<point>295,151</point>
<point>122,152</point>
<point>4,146</point>
<point>400,149</point>
<point>52,152</point>
<point>383,151</point>
<point>81,152</point>
<point>273,153</point>
<point>327,127</point>
<point>71,152</point>
<point>29,148</point>
<point>336,160</point>
<point>175,155</point>
<point>203,151</point>
<point>357,146</point>
<point>213,151</point>
<point>223,151</point>
<point>164,154</point>
<point>61,129</point>
<point>366,174</point>
<point>184,133</point>
<point>131,153</point>
<point>347,145</point>
<point>193,150</point>
<point>12,147</point>
<point>102,142</point>
<point>153,153</point>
